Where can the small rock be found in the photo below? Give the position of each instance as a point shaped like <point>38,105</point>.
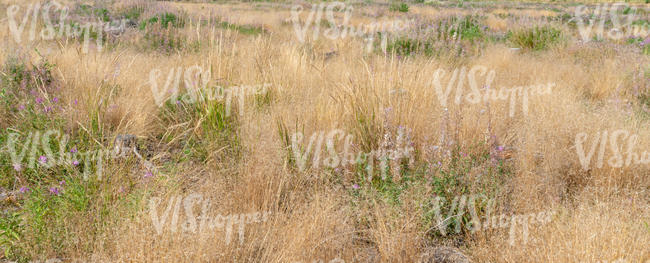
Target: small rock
<point>125,143</point>
<point>443,255</point>
<point>330,54</point>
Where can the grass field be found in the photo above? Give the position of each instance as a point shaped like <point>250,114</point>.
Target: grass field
<point>357,131</point>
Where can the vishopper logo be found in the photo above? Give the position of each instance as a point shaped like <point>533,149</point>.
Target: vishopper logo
<point>490,221</point>
<point>618,160</point>
<point>49,158</point>
<point>460,77</point>
<point>202,222</point>
<point>63,29</point>
<point>343,29</point>
<point>196,82</point>
<point>335,159</point>
<point>604,14</point>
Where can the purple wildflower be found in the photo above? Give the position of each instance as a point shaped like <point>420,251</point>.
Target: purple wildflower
<point>47,109</point>
<point>39,100</point>
<point>42,159</point>
<point>55,99</point>
<point>500,148</point>
<point>355,186</point>
<point>54,191</point>
<point>21,107</point>
<point>646,42</point>
<point>62,182</point>
<point>148,174</point>
<point>75,162</point>
<point>74,149</point>
<point>17,167</point>
<point>24,189</point>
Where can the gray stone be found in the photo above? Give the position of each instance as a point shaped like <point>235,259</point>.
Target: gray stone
<point>125,143</point>
<point>443,255</point>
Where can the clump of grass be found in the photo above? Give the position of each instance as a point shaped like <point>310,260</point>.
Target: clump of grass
<point>537,38</point>
<point>103,14</point>
<point>401,7</point>
<point>216,120</point>
<point>456,176</point>
<point>61,213</point>
<point>164,40</point>
<point>404,46</point>
<point>133,13</point>
<point>448,36</point>
<point>165,20</point>
<point>468,27</point>
<point>10,234</point>
<point>90,32</point>
<point>162,32</point>
<point>285,138</point>
<point>243,29</point>
<point>99,12</point>
<point>29,95</point>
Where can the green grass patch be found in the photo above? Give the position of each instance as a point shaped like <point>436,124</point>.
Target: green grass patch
<point>537,38</point>
<point>399,7</point>
<point>243,29</point>
<point>164,19</point>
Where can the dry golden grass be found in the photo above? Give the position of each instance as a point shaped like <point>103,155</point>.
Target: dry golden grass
<point>603,214</point>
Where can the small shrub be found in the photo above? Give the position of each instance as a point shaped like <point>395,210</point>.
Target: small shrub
<point>627,10</point>
<point>165,19</point>
<point>26,95</point>
<point>133,13</point>
<point>537,38</point>
<point>468,28</point>
<point>102,13</point>
<point>167,41</point>
<point>451,180</point>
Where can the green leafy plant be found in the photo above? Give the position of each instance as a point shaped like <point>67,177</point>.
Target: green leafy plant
<point>10,233</point>
<point>103,14</point>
